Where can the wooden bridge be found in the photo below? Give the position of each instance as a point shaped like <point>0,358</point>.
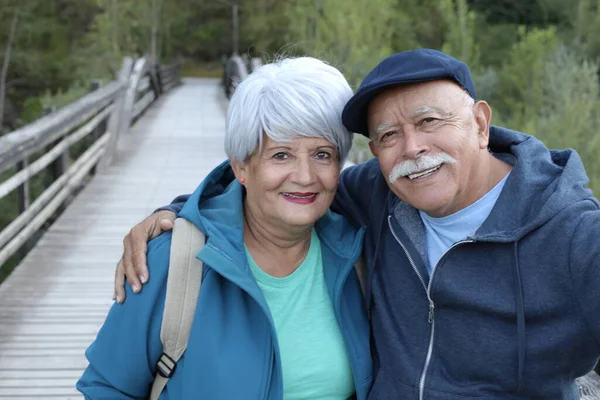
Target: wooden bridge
<point>108,160</point>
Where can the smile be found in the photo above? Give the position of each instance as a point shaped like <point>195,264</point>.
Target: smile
<point>423,174</point>
<point>300,196</point>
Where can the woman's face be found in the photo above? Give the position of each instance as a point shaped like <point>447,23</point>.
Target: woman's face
<point>292,183</point>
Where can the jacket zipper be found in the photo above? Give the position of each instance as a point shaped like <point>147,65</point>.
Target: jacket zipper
<point>431,311</point>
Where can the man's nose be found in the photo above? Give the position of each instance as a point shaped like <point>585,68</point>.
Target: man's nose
<point>414,145</point>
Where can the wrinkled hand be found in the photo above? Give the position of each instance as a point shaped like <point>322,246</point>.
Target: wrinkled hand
<point>133,262</point>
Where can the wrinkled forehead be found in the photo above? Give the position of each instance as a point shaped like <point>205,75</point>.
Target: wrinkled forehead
<point>419,94</point>
<point>441,96</point>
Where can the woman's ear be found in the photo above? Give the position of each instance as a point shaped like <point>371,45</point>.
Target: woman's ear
<point>240,170</point>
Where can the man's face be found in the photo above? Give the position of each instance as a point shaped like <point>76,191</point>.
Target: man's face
<point>430,141</point>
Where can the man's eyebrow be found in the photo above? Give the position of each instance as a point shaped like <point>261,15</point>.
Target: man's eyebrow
<point>430,110</point>
<point>381,127</point>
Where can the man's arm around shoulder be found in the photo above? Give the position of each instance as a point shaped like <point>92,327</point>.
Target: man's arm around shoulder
<point>361,187</point>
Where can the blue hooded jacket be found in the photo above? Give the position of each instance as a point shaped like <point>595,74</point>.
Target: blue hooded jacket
<point>512,312</point>
<point>232,352</point>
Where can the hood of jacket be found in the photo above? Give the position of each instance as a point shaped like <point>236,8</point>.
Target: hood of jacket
<point>542,183</point>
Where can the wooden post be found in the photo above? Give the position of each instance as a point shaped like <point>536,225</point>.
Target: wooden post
<point>58,167</point>
<point>114,121</point>
<point>23,192</point>
<point>95,85</point>
<point>98,130</point>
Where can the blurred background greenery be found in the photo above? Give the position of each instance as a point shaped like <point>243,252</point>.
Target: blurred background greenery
<point>534,61</point>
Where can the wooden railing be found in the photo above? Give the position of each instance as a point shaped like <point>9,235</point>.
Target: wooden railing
<point>90,126</point>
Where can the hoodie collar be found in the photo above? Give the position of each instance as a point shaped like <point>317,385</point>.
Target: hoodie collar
<point>541,184</point>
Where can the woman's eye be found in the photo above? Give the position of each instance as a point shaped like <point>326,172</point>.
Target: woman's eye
<point>428,120</point>
<point>323,155</point>
<point>281,156</point>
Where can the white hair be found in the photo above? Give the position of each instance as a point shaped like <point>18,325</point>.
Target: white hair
<point>287,99</point>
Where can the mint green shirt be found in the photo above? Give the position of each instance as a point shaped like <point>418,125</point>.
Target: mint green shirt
<point>313,355</point>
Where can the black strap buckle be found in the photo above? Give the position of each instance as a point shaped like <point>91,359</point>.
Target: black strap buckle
<point>166,366</point>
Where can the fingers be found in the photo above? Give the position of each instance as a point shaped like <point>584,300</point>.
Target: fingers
<point>119,293</point>
<point>139,268</point>
<point>148,230</point>
<point>166,224</point>
<point>133,263</point>
<point>128,260</point>
<point>161,221</point>
<point>165,219</point>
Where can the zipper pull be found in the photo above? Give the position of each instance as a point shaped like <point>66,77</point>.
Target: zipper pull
<point>431,309</point>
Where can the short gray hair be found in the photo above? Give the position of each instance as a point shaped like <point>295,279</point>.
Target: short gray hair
<point>287,99</point>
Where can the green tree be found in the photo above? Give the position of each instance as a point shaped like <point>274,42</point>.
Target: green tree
<point>519,96</point>
<point>460,38</point>
<point>552,92</point>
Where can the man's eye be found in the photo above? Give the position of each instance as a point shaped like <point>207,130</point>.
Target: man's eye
<point>387,135</point>
<point>281,156</point>
<point>427,120</point>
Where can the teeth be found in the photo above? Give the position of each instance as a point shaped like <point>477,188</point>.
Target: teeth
<point>424,173</point>
<point>299,197</point>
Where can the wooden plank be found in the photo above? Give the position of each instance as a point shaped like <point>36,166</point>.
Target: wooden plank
<point>34,374</point>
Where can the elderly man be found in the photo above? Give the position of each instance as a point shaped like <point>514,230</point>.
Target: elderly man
<point>481,244</point>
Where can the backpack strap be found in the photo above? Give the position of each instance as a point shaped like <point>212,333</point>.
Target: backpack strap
<point>183,288</point>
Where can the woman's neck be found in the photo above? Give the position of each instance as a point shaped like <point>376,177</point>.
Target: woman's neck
<point>278,252</point>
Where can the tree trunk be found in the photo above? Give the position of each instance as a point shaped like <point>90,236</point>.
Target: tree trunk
<point>5,63</point>
<point>156,7</point>
<point>114,21</point>
<point>235,16</point>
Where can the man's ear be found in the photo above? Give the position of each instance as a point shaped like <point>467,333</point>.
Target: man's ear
<point>482,113</point>
<point>240,170</point>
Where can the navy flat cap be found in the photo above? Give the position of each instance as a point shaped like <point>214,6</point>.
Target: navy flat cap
<point>411,66</point>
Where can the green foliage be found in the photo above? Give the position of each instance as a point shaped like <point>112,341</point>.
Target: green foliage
<point>570,113</point>
<point>552,92</point>
<point>520,93</point>
<point>460,38</point>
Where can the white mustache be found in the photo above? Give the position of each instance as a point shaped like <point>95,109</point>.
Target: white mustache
<point>422,163</point>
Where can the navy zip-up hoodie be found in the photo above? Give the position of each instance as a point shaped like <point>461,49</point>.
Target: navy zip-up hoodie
<point>510,313</point>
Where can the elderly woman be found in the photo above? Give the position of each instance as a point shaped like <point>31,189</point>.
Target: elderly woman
<point>280,314</point>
